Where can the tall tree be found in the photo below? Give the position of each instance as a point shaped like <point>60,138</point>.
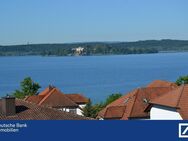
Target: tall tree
<point>91,110</point>
<point>28,88</point>
<point>96,109</point>
<point>182,80</point>
<point>87,111</point>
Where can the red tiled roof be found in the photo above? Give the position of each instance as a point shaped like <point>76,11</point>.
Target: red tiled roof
<point>169,99</point>
<point>57,99</point>
<point>47,90</point>
<point>162,83</point>
<point>126,100</point>
<point>144,95</point>
<point>78,98</point>
<point>30,111</point>
<point>136,102</point>
<point>177,98</point>
<point>35,99</point>
<point>114,112</point>
<point>52,97</point>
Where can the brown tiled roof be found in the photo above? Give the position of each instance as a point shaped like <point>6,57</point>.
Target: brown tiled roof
<point>177,98</point>
<point>77,98</point>
<point>136,102</point>
<point>169,99</point>
<point>35,99</point>
<point>47,90</point>
<point>114,112</point>
<point>30,111</point>
<point>57,99</point>
<point>126,100</point>
<point>162,83</point>
<point>52,97</point>
<point>144,95</point>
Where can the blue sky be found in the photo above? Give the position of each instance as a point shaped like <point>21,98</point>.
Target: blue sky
<point>61,21</point>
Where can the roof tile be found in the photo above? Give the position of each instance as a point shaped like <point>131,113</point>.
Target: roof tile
<point>162,83</point>
<point>78,98</point>
<point>52,97</point>
<point>30,111</point>
<point>136,102</point>
<point>177,98</point>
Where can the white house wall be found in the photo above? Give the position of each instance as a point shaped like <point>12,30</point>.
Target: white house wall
<point>82,105</point>
<point>164,113</point>
<point>79,110</point>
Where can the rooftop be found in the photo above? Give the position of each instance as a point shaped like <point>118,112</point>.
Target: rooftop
<point>30,111</point>
<point>52,97</point>
<point>78,98</point>
<point>135,102</point>
<point>177,98</point>
<point>162,83</point>
<point>114,112</point>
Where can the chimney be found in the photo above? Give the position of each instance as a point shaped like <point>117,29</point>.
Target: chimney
<point>8,107</point>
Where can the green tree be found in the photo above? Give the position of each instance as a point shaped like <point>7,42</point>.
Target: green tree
<point>19,94</point>
<point>92,111</point>
<point>96,109</point>
<point>182,80</point>
<point>28,88</point>
<point>87,111</point>
<point>111,98</point>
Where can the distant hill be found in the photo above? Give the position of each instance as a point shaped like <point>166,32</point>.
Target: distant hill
<point>96,48</point>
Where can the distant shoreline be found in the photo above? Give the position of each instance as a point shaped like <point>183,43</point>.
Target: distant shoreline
<point>175,51</point>
<point>161,52</point>
<point>96,48</point>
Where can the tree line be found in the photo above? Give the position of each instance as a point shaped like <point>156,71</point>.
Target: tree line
<point>95,48</point>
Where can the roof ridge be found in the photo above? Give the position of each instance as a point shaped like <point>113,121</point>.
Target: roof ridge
<point>178,101</point>
<point>136,93</point>
<point>105,111</point>
<point>47,96</point>
<point>45,91</point>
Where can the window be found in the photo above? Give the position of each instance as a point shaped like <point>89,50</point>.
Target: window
<point>72,111</point>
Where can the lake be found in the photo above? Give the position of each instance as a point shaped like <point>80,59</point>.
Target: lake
<point>94,76</point>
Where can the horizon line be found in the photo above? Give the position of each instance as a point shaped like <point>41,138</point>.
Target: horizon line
<point>82,42</point>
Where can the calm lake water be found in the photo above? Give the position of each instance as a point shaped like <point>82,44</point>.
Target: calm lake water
<point>94,76</point>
